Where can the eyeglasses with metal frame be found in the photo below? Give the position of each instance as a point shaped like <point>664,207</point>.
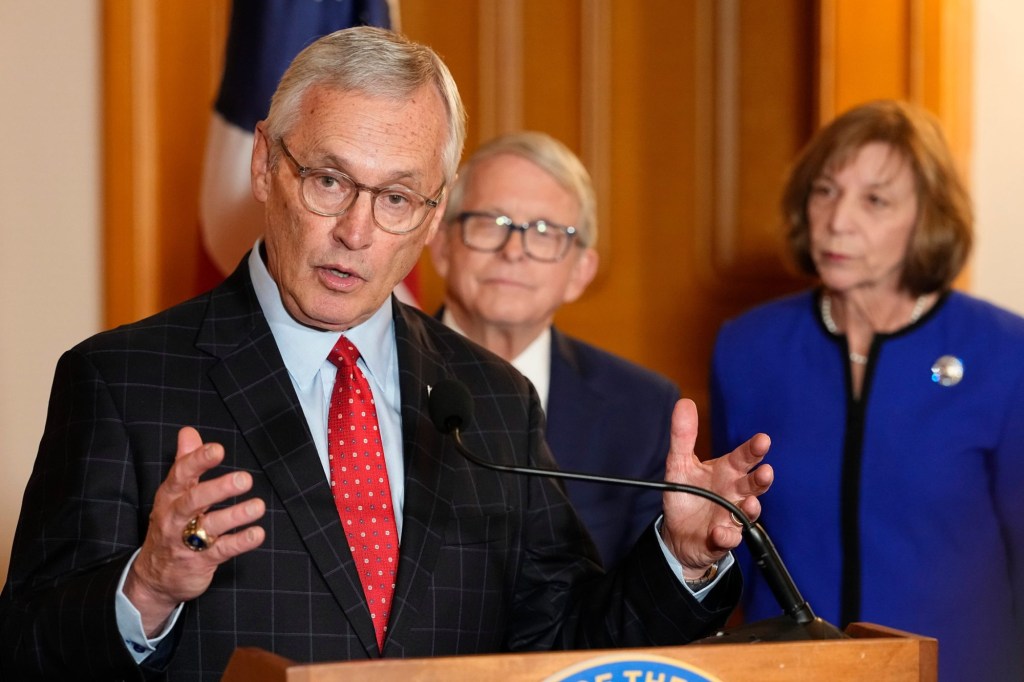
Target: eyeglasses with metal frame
<point>329,192</point>
<point>543,240</point>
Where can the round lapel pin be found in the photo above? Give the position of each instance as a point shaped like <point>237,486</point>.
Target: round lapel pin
<point>948,370</point>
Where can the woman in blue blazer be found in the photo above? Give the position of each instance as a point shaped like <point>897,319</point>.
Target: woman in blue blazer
<point>895,405</point>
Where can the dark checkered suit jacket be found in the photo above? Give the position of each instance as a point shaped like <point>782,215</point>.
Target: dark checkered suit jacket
<point>489,562</point>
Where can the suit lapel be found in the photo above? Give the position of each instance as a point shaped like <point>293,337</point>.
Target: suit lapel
<point>571,404</point>
<point>254,384</point>
<point>427,488</point>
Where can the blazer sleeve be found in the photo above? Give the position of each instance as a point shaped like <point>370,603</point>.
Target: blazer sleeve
<point>78,528</point>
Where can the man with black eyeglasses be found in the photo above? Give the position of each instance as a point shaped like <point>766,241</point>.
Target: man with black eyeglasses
<point>517,242</point>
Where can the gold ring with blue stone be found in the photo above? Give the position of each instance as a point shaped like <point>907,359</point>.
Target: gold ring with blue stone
<point>195,538</point>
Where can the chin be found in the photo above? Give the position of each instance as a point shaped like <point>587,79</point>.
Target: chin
<point>332,317</point>
<point>510,321</point>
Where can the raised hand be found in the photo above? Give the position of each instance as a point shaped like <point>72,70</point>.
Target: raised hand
<point>166,572</point>
<point>697,531</point>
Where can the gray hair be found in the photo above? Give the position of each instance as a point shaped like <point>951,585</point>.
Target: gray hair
<point>375,62</point>
<point>547,153</point>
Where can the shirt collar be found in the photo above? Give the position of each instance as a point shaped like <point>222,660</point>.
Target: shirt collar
<point>304,349</point>
<point>535,364</point>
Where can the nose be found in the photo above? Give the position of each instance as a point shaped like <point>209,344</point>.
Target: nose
<point>355,228</point>
<point>841,214</point>
<point>515,246</point>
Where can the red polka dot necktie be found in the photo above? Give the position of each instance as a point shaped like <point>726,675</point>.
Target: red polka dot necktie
<point>359,481</point>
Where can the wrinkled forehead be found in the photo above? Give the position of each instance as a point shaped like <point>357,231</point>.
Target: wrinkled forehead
<point>348,128</point>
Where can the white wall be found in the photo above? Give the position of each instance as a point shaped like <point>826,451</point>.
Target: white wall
<point>997,272</point>
<point>49,218</point>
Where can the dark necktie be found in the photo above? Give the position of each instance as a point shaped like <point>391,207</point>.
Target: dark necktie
<point>359,481</point>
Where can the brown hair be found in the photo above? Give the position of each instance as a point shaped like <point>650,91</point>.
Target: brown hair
<point>941,239</point>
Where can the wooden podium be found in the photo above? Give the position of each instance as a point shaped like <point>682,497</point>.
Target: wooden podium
<point>873,652</point>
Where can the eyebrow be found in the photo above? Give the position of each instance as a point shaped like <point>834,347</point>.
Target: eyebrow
<point>334,162</point>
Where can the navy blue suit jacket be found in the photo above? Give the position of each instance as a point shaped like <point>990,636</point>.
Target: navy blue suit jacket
<point>489,561</point>
<point>609,416</point>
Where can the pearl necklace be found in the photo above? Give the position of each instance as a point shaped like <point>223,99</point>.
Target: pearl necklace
<point>830,324</point>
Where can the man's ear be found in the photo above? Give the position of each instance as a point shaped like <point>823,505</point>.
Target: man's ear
<point>439,250</point>
<point>583,272</point>
<point>259,165</point>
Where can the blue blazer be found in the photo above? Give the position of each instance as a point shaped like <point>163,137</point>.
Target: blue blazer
<point>904,507</point>
<point>609,416</point>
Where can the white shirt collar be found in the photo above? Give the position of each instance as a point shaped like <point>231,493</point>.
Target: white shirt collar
<point>535,364</point>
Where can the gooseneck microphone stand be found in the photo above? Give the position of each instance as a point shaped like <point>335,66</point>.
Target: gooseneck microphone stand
<point>451,407</point>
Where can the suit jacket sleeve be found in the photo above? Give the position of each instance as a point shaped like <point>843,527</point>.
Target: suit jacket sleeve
<point>639,603</point>
<point>78,527</point>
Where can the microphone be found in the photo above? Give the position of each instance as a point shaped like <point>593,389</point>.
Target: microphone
<point>451,408</point>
